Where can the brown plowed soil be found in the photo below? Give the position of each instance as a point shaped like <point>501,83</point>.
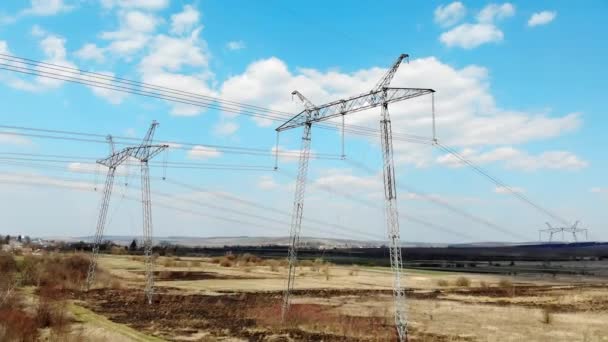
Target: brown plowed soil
<point>252,316</point>
<point>191,275</point>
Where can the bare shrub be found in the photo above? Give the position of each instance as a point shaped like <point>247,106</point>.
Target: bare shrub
<point>52,311</point>
<point>230,256</point>
<point>226,263</point>
<point>168,262</point>
<point>116,284</point>
<point>250,258</point>
<point>273,265</point>
<point>326,272</point>
<point>182,264</point>
<point>69,272</point>
<point>117,250</point>
<point>507,286</point>
<point>31,270</point>
<point>17,325</point>
<point>8,295</point>
<point>216,260</point>
<point>7,263</point>
<point>547,316</point>
<point>443,283</point>
<point>505,283</point>
<point>306,263</point>
<point>462,282</point>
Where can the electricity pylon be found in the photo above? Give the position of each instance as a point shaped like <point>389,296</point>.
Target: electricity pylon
<point>144,152</point>
<point>554,230</point>
<point>380,95</point>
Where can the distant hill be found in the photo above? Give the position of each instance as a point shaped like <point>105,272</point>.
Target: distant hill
<point>248,241</point>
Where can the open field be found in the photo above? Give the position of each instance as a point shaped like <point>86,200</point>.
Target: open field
<point>238,299</point>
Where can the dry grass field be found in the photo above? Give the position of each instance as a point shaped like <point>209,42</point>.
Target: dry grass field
<point>237,298</point>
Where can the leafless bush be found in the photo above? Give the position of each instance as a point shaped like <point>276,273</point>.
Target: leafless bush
<point>8,264</point>
<point>250,258</point>
<point>273,265</point>
<point>17,325</point>
<point>117,250</point>
<point>505,283</point>
<point>547,316</point>
<point>463,282</point>
<point>326,272</point>
<point>226,263</point>
<point>443,283</point>
<point>306,263</point>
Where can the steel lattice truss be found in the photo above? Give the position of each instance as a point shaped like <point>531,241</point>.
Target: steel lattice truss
<point>555,230</point>
<point>381,95</point>
<point>352,105</point>
<point>143,152</point>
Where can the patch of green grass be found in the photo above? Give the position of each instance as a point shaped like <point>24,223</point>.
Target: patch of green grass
<point>85,315</point>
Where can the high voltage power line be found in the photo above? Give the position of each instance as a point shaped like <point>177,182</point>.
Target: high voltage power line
<point>240,167</point>
<point>98,80</point>
<point>502,184</point>
<point>216,207</point>
<point>443,204</point>
<point>223,148</point>
<point>49,70</point>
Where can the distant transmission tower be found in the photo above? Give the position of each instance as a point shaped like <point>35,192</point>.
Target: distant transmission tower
<point>381,95</point>
<point>144,152</point>
<point>554,230</point>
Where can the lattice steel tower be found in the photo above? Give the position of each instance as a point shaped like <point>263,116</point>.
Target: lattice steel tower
<point>381,95</point>
<point>554,230</point>
<point>144,152</point>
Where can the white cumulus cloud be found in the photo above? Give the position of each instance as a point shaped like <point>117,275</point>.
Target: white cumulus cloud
<point>509,190</point>
<point>235,45</point>
<point>467,115</point>
<point>91,52</point>
<point>485,30</point>
<point>450,14</point>
<point>469,36</point>
<point>184,21</point>
<point>203,152</point>
<point>46,7</point>
<point>267,183</point>
<point>225,128</point>
<point>517,159</point>
<point>151,5</point>
<point>135,29</point>
<point>541,18</point>
<point>493,12</point>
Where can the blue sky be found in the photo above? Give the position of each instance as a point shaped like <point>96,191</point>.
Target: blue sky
<point>519,92</point>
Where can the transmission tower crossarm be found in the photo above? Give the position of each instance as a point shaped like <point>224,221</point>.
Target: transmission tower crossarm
<point>307,104</point>
<point>116,158</point>
<point>352,105</point>
<point>147,152</point>
<point>388,77</point>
